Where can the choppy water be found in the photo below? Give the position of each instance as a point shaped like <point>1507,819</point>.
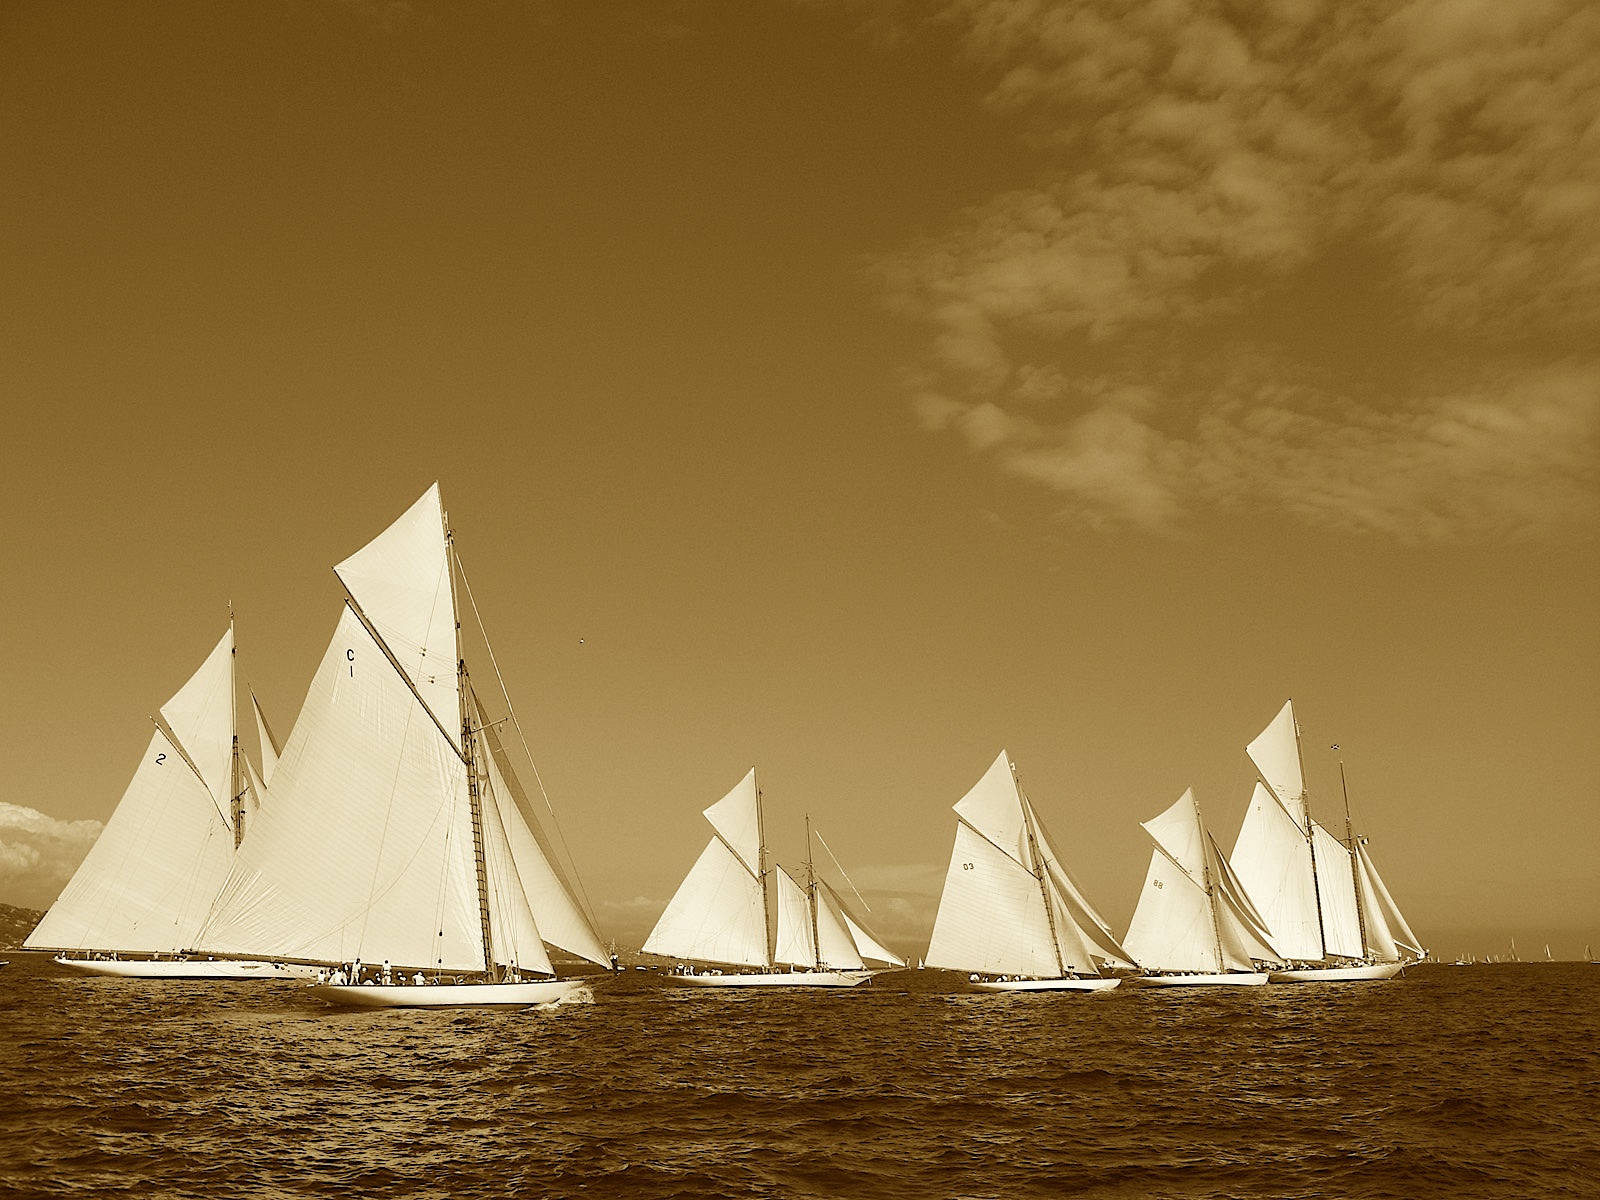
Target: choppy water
<point>1451,1082</point>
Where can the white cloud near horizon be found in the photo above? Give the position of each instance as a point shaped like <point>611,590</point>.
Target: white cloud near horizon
<point>39,853</point>
<point>1340,262</point>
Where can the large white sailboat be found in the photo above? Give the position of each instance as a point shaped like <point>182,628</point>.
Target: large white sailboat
<point>1330,913</point>
<point>137,901</point>
<point>1194,923</point>
<point>1010,914</point>
<point>399,853</point>
<point>719,921</point>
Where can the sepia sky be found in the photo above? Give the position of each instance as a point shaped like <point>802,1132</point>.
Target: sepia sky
<point>851,390</point>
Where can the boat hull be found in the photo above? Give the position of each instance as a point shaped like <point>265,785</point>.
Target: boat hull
<point>1336,974</point>
<point>1045,985</point>
<point>446,995</point>
<point>1226,979</point>
<point>138,968</point>
<point>772,979</point>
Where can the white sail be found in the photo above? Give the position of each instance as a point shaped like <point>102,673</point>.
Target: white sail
<point>268,743</point>
<point>549,890</point>
<point>1341,925</point>
<point>1192,913</point>
<point>1276,753</point>
<point>1240,921</point>
<point>716,915</point>
<point>146,884</point>
<point>993,808</point>
<point>149,879</point>
<point>514,932</point>
<point>1080,921</point>
<point>1272,858</point>
<point>794,943</point>
<point>366,850</point>
<point>401,582</point>
<point>1009,905</point>
<point>1382,911</point>
<point>737,818</point>
<point>719,912</point>
<point>831,948</point>
<point>868,944</point>
<point>991,917</point>
<point>1172,927</point>
<point>836,945</point>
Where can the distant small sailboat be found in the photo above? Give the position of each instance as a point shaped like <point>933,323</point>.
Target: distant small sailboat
<point>719,921</point>
<point>1330,913</point>
<point>1010,914</point>
<point>400,855</point>
<point>135,905</point>
<point>1194,924</point>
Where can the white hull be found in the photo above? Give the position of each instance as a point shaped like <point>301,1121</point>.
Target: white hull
<point>1227,979</point>
<point>139,968</point>
<point>768,979</point>
<point>445,995</point>
<point>1336,974</point>
<point>1045,985</point>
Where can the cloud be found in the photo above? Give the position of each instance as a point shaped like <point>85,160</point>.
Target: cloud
<point>1335,259</point>
<point>38,853</point>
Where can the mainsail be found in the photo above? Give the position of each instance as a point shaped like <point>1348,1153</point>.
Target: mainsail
<point>395,830</point>
<point>1193,913</point>
<point>1008,906</point>
<point>148,881</point>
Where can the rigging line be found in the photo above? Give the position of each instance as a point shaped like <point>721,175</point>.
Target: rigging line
<point>516,723</point>
<point>841,870</point>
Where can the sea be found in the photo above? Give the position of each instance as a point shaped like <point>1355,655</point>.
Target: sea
<point>1460,1082</point>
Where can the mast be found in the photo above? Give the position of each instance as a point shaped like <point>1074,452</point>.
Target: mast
<point>811,897</point>
<point>235,776</point>
<point>1205,876</point>
<point>1311,841</point>
<point>1039,872</point>
<point>469,755</point>
<point>761,877</point>
<point>1355,864</point>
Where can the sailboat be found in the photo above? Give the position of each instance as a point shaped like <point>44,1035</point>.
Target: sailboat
<point>818,930</point>
<point>137,901</point>
<point>400,855</point>
<point>1194,923</point>
<point>720,916</point>
<point>1010,914</point>
<point>1329,911</point>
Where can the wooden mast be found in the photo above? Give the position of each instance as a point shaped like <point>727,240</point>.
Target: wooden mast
<point>470,757</point>
<point>1355,865</point>
<point>235,776</point>
<point>761,877</point>
<point>1311,841</point>
<point>811,897</point>
<point>1040,871</point>
<point>1205,875</point>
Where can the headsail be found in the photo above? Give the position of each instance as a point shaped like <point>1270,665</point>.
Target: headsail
<point>401,583</point>
<point>1276,753</point>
